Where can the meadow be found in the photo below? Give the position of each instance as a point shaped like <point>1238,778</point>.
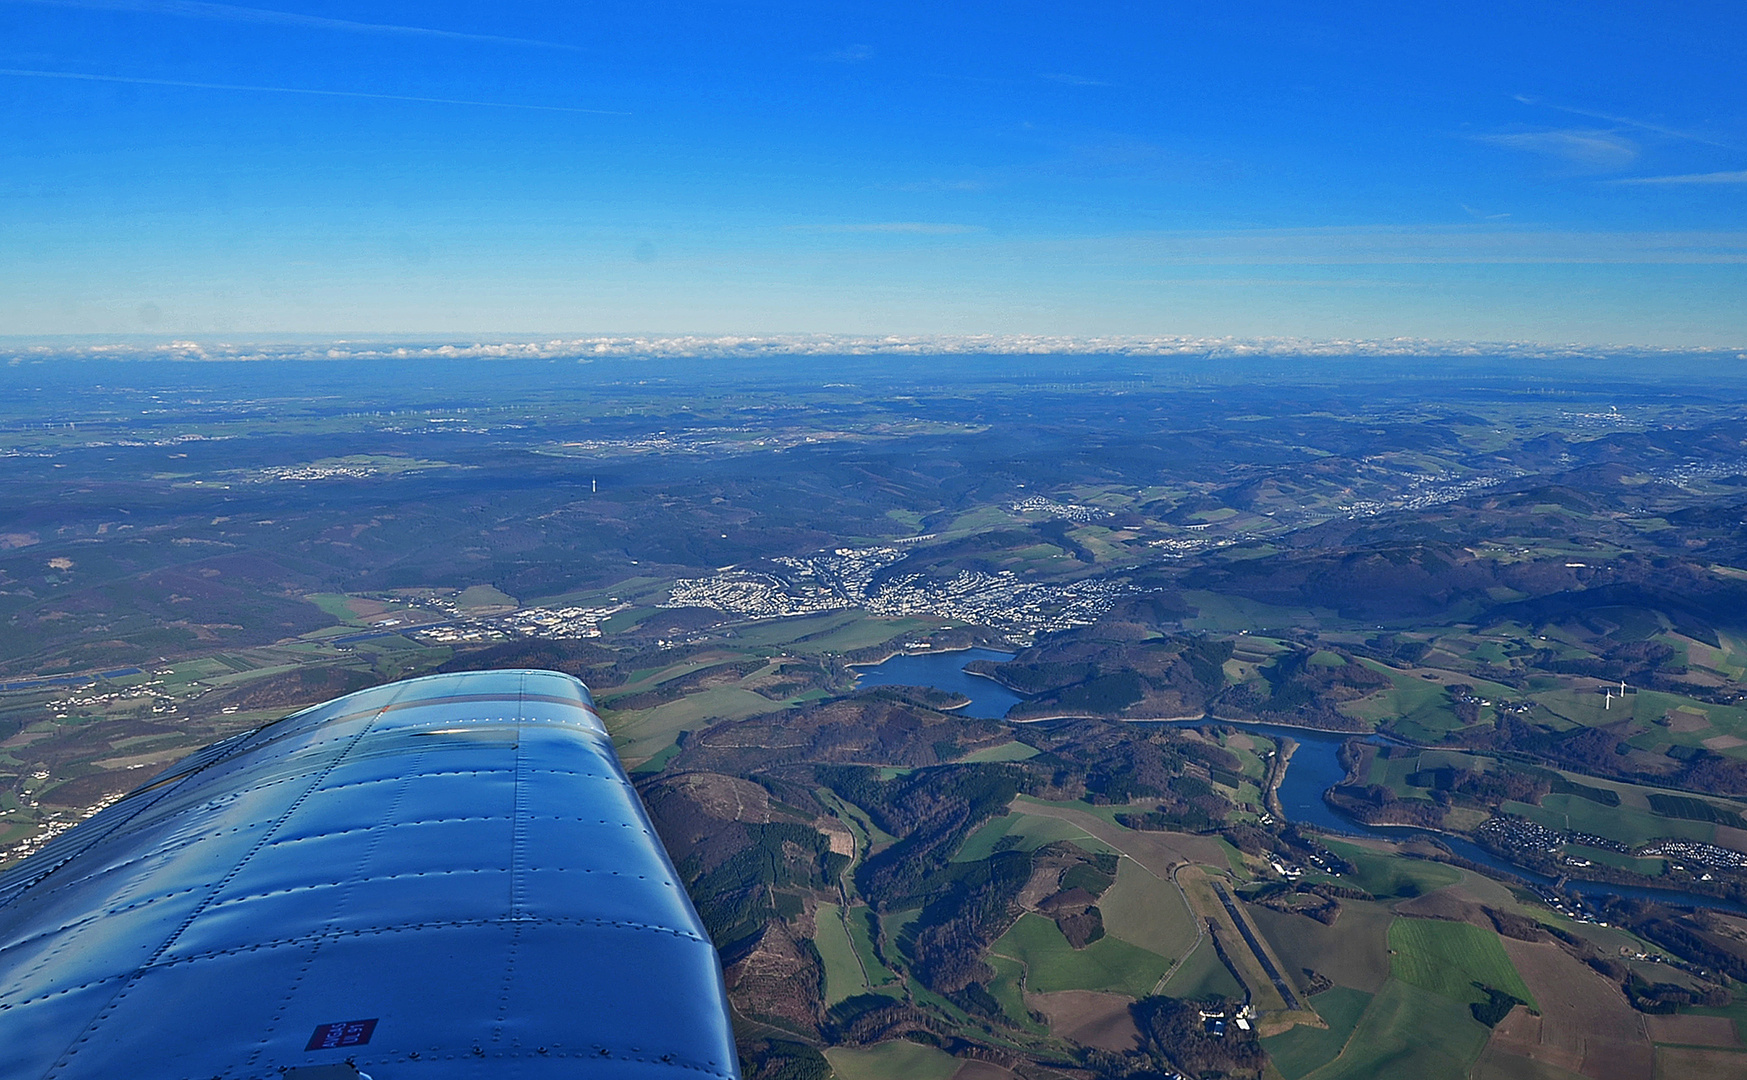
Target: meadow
<point>1052,964</point>
<point>1302,1050</point>
<point>1455,959</point>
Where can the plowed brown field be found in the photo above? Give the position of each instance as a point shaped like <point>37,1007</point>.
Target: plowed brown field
<point>1692,1030</point>
<point>1585,1025</point>
<point>1682,1064</point>
<point>1089,1018</point>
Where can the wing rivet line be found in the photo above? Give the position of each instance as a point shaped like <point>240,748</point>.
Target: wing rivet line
<point>284,816</point>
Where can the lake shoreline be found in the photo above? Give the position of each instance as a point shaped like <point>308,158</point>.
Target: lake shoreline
<point>895,653</point>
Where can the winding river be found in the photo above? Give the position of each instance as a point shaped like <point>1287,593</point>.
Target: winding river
<point>1314,769</point>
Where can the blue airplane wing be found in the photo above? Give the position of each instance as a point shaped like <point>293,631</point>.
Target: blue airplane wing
<point>443,877</point>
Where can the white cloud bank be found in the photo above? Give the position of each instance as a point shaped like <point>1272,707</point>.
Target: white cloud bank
<point>734,346</point>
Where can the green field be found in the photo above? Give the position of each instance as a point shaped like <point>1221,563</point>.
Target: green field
<point>867,834</point>
<point>897,1060</point>
<point>1393,876</point>
<point>1490,652</point>
<point>645,678</point>
<point>1305,1049</point>
<point>1393,772</point>
<point>1647,867</point>
<point>484,596</point>
<point>1354,952</point>
<point>842,972</point>
<point>1409,1032</point>
<point>1031,832</point>
<point>1647,706</point>
<point>784,631</point>
<point>1234,861</point>
<point>1418,706</point>
<point>1623,823</point>
<point>861,936</point>
<point>1052,964</point>
<point>1455,759</point>
<point>335,605</point>
<point>868,632</point>
<point>1232,613</point>
<point>1731,660</point>
<point>1413,700</point>
<point>658,762</point>
<point>1453,959</point>
<point>1251,764</point>
<point>1106,813</point>
<point>836,632</point>
<point>984,517</point>
<point>1651,705</point>
<point>645,733</point>
<point>1005,988</point>
<point>1203,975</point>
<point>1146,911</point>
<point>1009,751</point>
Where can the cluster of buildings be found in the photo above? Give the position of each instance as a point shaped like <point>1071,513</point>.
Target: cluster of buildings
<point>1590,840</point>
<point>1613,418</point>
<point>172,440</point>
<point>1520,834</point>
<point>851,578</point>
<point>755,596</point>
<point>557,624</point>
<point>318,472</point>
<point>847,573</point>
<point>1572,908</point>
<point>56,823</point>
<point>1176,547</point>
<point>659,443</point>
<point>1038,504</point>
<point>1018,609</point>
<point>1213,1021</point>
<point>1420,495</point>
<point>162,701</point>
<point>1681,853</point>
<point>1690,470</point>
<point>723,440</point>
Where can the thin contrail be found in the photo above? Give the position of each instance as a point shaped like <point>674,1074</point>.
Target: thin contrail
<point>202,9</point>
<point>1737,177</point>
<point>1627,121</point>
<point>79,76</point>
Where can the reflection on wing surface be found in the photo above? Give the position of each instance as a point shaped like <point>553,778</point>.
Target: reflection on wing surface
<point>448,876</point>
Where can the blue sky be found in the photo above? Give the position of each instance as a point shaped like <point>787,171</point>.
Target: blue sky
<point>1544,172</point>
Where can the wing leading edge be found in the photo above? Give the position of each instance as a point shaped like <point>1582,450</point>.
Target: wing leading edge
<point>443,877</point>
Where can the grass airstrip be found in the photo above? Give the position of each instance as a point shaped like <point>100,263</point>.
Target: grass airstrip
<point>1402,986</point>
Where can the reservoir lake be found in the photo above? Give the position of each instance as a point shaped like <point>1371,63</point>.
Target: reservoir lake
<point>945,671</point>
<point>1315,766</point>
